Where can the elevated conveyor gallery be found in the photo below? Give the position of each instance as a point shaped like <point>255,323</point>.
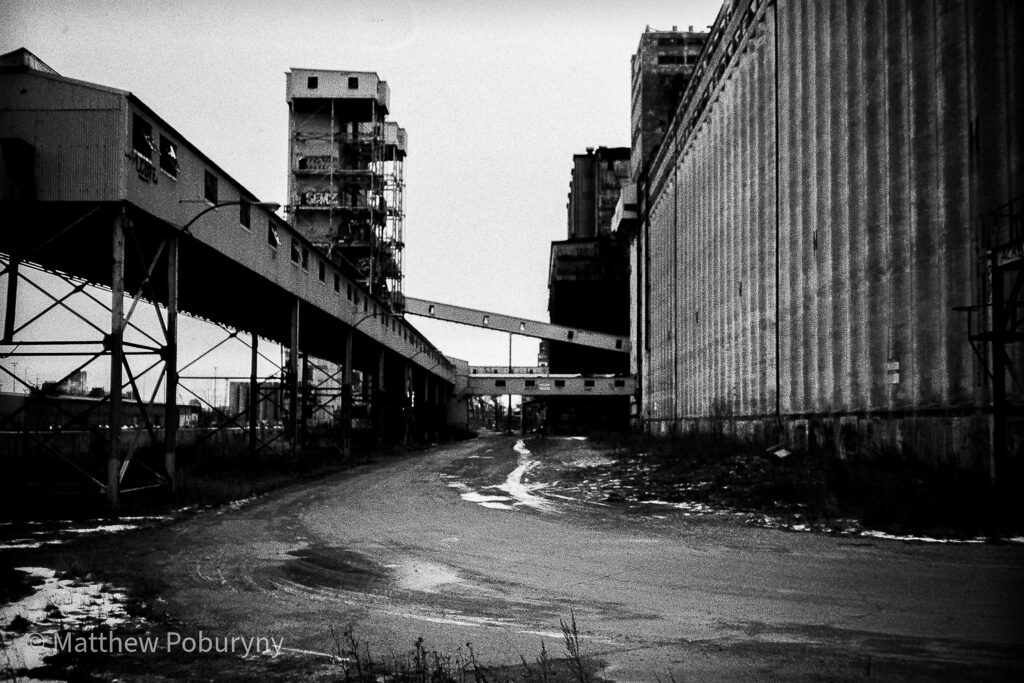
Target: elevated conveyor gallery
<point>513,325</point>
<point>97,188</point>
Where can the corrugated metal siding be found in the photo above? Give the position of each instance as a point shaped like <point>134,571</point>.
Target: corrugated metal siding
<point>721,202</point>
<point>76,131</point>
<point>876,215</point>
<point>895,130</point>
<point>77,152</point>
<point>658,385</point>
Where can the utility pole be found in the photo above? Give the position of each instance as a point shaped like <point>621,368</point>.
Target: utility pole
<point>508,417</point>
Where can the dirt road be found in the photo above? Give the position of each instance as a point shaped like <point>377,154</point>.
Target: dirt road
<point>458,545</point>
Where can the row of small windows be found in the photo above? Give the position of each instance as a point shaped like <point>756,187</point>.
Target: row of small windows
<point>559,383</point>
<point>143,145</point>
<point>677,59</point>
<point>313,82</point>
<point>300,256</point>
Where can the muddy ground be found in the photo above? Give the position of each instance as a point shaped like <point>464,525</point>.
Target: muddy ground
<point>484,550</point>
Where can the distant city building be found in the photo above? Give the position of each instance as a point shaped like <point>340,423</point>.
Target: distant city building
<point>662,68</point>
<point>270,401</point>
<point>597,178</point>
<point>588,287</point>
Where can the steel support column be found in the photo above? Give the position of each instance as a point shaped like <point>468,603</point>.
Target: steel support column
<point>379,409</point>
<point>115,344</point>
<point>293,377</point>
<point>12,301</point>
<point>999,403</point>
<point>171,418</point>
<point>305,400</point>
<point>254,394</point>
<point>346,397</point>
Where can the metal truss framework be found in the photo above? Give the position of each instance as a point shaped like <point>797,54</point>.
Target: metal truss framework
<point>996,321</point>
<point>161,356</point>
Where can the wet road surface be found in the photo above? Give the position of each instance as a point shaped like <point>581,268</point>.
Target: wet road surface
<point>459,545</point>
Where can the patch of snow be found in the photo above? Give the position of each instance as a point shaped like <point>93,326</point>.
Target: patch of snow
<point>241,503</point>
<point>493,502</point>
<point>919,539</point>
<point>56,604</point>
<point>424,576</point>
<point>108,528</point>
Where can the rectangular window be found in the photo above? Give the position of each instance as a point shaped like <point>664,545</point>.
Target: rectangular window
<point>210,187</point>
<point>321,271</point>
<point>337,283</point>
<point>272,238</point>
<point>305,258</point>
<point>312,82</point>
<point>559,383</point>
<point>588,383</point>
<point>245,214</point>
<point>353,83</point>
<point>168,157</point>
<point>142,136</point>
<point>620,382</point>
<point>531,383</point>
<point>296,254</point>
<point>348,288</point>
<point>499,382</point>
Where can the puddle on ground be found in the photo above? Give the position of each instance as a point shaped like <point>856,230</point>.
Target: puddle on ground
<point>54,604</point>
<point>331,567</point>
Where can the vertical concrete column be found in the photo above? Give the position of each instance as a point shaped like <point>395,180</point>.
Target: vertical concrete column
<point>254,393</point>
<point>171,365</point>
<point>346,397</point>
<point>115,346</point>
<point>293,377</point>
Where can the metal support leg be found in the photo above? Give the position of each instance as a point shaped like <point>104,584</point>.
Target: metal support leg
<point>427,411</point>
<point>171,363</point>
<point>254,394</point>
<point>115,341</point>
<point>999,404</point>
<point>12,302</point>
<point>293,379</point>
<point>378,401</point>
<point>346,398</point>
<point>305,399</point>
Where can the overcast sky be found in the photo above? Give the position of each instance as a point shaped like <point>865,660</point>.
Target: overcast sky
<point>496,98</point>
